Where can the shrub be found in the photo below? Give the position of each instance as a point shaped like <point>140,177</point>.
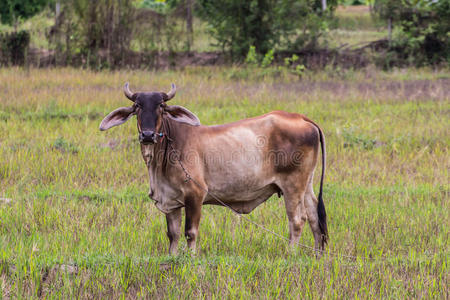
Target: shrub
<point>420,35</point>
<point>14,47</point>
<point>268,59</point>
<point>13,10</point>
<point>252,56</point>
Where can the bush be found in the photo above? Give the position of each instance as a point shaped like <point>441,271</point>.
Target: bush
<point>421,27</point>
<point>14,47</point>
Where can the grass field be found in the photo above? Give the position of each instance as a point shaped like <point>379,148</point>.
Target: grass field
<point>75,219</point>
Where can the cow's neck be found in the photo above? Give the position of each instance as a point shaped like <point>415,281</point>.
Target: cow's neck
<point>160,160</point>
<point>159,157</point>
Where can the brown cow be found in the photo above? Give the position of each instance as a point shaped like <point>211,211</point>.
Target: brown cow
<point>241,163</point>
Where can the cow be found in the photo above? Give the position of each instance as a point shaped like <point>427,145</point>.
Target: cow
<point>238,165</point>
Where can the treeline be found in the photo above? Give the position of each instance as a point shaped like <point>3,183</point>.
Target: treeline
<point>110,33</point>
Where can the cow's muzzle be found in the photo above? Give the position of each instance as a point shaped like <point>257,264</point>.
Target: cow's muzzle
<point>148,137</point>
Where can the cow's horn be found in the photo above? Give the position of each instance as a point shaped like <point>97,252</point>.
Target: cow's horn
<point>130,95</point>
<point>172,92</point>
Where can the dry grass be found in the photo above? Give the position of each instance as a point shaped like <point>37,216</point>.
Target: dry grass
<point>79,196</point>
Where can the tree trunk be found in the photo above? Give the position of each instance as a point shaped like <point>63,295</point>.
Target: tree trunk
<point>189,24</point>
<point>110,33</point>
<point>324,5</point>
<point>389,30</point>
<point>57,10</point>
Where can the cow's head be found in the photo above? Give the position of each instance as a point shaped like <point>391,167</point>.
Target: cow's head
<point>150,109</point>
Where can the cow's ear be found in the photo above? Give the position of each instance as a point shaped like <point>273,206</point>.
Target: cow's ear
<point>117,117</point>
<point>182,115</point>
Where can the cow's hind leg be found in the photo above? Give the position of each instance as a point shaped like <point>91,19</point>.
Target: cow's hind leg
<point>295,209</point>
<point>173,220</point>
<point>313,218</point>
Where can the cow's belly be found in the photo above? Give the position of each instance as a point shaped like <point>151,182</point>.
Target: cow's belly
<point>242,200</point>
<point>239,177</point>
<point>242,171</point>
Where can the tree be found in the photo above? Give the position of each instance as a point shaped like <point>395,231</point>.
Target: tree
<point>13,10</point>
<point>183,9</point>
<point>264,24</point>
<point>99,32</point>
<point>189,24</point>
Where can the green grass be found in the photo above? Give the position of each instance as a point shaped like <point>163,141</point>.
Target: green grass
<point>79,196</point>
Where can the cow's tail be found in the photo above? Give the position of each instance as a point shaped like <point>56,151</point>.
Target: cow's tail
<point>321,205</point>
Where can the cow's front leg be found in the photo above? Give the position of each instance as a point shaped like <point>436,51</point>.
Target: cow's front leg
<point>173,229</point>
<point>193,214</point>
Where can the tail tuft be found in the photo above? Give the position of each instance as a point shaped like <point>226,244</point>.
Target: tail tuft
<point>322,220</point>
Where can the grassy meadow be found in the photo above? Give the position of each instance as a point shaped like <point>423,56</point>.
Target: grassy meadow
<point>76,221</point>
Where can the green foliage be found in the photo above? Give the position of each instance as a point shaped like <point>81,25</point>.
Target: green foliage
<point>268,59</point>
<point>311,29</point>
<point>252,57</point>
<point>153,4</point>
<point>291,64</point>
<point>161,6</point>
<point>259,67</point>
<point>421,28</point>
<point>290,60</point>
<point>13,10</point>
<point>265,24</point>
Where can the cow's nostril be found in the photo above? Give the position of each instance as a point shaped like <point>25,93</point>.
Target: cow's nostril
<point>148,137</point>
